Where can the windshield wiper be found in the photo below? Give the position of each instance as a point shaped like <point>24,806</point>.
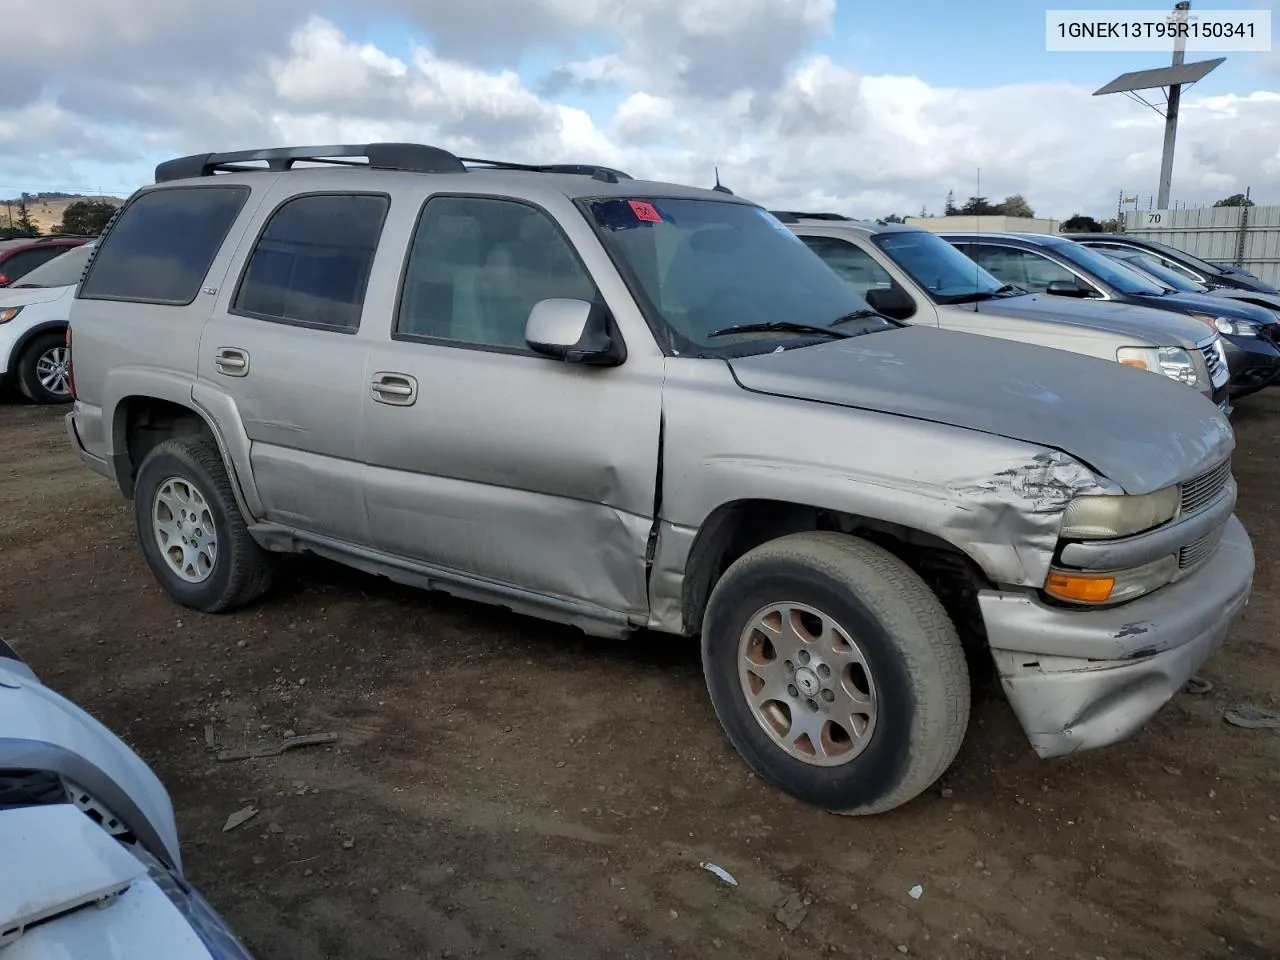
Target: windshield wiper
<point>26,286</point>
<point>974,297</point>
<point>780,326</point>
<point>867,314</point>
<point>1008,290</point>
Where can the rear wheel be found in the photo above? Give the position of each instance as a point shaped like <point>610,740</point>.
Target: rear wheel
<point>44,369</point>
<point>192,532</point>
<point>835,672</point>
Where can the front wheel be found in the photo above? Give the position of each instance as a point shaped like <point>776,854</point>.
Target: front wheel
<point>835,672</point>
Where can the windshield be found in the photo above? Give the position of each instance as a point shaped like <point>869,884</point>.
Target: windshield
<point>704,265</point>
<point>945,273</point>
<point>1110,272</point>
<point>1170,278</point>
<point>62,271</point>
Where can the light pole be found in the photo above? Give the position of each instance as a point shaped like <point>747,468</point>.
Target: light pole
<point>1175,76</point>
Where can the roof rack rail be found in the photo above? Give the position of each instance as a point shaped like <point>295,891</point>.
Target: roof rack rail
<point>791,216</point>
<point>595,171</point>
<point>412,157</point>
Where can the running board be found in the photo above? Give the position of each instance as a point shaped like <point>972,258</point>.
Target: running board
<point>590,619</point>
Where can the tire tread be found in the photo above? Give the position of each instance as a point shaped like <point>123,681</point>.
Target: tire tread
<point>921,629</point>
<point>252,568</point>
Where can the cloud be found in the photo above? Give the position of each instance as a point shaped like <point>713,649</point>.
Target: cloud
<point>667,89</point>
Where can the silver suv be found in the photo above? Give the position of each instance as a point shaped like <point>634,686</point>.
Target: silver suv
<point>624,405</point>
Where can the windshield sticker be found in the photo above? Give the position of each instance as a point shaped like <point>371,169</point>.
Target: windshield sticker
<point>645,211</point>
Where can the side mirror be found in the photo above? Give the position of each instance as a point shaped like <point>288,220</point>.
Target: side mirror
<point>891,301</point>
<point>1067,288</point>
<point>575,331</point>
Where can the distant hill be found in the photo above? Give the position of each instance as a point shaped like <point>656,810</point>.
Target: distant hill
<point>46,209</point>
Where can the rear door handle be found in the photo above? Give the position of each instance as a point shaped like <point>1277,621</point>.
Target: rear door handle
<point>231,361</point>
<point>398,389</point>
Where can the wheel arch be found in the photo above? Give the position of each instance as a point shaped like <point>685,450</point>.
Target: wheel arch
<point>141,421</point>
<point>44,326</point>
<point>736,527</point>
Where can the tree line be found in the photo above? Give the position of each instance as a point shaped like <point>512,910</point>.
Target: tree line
<point>83,218</point>
<point>1017,206</point>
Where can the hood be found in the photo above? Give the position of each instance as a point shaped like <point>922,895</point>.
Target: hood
<point>73,891</point>
<point>1160,327</point>
<point>42,730</point>
<point>1204,303</point>
<point>1141,430</point>
<point>18,296</point>
<point>1268,301</point>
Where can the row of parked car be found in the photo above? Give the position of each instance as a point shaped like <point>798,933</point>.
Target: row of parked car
<point>627,405</point>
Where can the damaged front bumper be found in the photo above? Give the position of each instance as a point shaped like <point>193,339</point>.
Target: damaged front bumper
<point>1080,679</point>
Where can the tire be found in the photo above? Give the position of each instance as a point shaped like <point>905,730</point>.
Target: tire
<point>42,370</point>
<point>189,474</point>
<point>905,725</point>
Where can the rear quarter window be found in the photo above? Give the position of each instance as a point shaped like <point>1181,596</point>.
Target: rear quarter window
<point>161,248</point>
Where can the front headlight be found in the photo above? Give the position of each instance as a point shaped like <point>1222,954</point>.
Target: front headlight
<point>1174,362</point>
<point>8,313</point>
<point>1113,587</point>
<point>1236,328</point>
<point>1229,327</point>
<point>206,923</point>
<point>1106,517</point>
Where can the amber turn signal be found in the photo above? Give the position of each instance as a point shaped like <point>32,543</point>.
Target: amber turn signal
<point>1079,588</point>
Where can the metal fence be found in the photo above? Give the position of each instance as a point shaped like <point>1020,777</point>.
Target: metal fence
<point>1247,237</point>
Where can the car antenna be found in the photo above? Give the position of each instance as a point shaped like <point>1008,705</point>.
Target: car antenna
<point>720,187</point>
<point>977,226</point>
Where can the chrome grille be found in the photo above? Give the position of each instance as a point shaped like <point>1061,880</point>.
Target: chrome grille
<point>1215,361</point>
<point>1200,549</point>
<point>1200,491</point>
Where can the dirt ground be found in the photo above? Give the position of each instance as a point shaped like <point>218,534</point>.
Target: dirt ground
<point>511,789</point>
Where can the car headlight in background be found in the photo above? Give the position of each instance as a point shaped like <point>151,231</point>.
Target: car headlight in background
<point>1107,517</point>
<point>1174,362</point>
<point>8,313</point>
<point>1235,328</point>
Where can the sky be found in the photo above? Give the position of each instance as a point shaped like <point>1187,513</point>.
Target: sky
<point>843,105</point>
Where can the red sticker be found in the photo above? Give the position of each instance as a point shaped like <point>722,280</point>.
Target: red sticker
<point>645,211</point>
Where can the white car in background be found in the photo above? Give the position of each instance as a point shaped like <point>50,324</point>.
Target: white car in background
<point>34,355</point>
<point>88,842</point>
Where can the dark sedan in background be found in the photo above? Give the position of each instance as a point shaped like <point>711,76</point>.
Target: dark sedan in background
<point>1201,271</point>
<point>1054,265</point>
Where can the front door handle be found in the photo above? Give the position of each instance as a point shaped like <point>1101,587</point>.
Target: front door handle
<point>231,361</point>
<point>398,389</point>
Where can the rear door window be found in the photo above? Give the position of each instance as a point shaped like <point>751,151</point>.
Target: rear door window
<point>161,248</point>
<point>311,264</point>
